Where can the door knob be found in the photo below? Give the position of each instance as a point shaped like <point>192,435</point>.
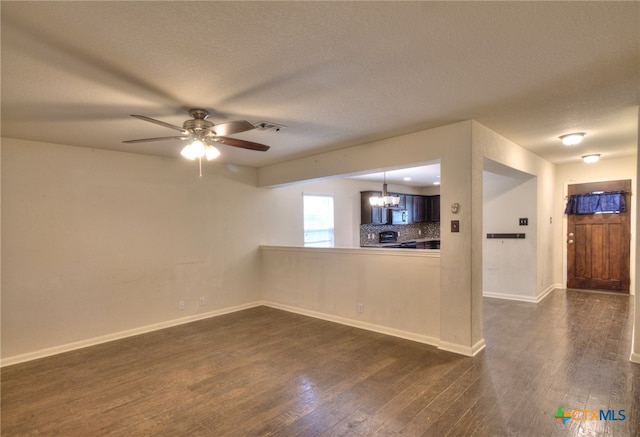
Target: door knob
<point>570,241</point>
<point>571,234</point>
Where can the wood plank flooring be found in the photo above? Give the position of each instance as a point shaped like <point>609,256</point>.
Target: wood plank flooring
<point>266,372</point>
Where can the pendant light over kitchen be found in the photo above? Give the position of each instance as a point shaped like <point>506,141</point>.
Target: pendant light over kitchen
<point>386,200</point>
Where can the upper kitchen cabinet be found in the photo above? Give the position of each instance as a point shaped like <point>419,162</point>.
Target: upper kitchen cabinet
<point>416,208</point>
<point>370,215</point>
<point>432,208</point>
<point>423,208</point>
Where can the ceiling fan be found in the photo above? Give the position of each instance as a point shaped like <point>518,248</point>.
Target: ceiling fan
<point>201,133</point>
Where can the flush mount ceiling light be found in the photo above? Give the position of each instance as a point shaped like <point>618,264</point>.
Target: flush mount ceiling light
<point>572,139</point>
<point>590,159</point>
<point>386,200</point>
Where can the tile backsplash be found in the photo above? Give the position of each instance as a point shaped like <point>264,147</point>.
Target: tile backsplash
<point>416,231</point>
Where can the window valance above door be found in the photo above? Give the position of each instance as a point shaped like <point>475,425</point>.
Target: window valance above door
<point>598,202</point>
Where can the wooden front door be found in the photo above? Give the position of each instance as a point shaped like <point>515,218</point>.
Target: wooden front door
<point>598,245</point>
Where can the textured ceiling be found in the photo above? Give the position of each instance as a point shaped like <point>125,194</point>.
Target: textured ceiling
<point>334,73</point>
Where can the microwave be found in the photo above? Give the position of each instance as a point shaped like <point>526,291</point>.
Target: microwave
<point>399,217</point>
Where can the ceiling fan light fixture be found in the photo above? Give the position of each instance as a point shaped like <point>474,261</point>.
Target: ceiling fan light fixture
<point>590,159</point>
<point>211,153</point>
<point>187,152</point>
<point>194,150</point>
<point>572,139</point>
<point>198,148</point>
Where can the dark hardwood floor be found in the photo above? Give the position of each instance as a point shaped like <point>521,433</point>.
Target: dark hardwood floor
<point>268,372</point>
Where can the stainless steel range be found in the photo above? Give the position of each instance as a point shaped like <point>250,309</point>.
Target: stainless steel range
<point>388,237</point>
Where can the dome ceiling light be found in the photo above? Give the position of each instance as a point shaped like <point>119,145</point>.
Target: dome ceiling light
<point>590,159</point>
<point>572,139</point>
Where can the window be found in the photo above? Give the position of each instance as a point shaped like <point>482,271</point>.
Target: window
<point>318,220</point>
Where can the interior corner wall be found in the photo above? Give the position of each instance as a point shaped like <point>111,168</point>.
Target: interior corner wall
<point>99,242</point>
<point>508,270</point>
<point>499,149</point>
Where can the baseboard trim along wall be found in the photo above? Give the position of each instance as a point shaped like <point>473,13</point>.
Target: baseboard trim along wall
<point>42,353</point>
<point>469,351</point>
<point>521,298</point>
<point>407,335</point>
<point>634,358</point>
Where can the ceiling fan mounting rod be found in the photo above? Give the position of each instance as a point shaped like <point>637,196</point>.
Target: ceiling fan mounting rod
<point>199,121</point>
<point>199,114</point>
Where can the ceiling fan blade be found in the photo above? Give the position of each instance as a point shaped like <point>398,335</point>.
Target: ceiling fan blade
<point>232,127</point>
<point>146,140</point>
<point>161,123</point>
<point>235,142</point>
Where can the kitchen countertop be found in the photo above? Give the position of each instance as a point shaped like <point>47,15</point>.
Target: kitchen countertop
<point>418,240</point>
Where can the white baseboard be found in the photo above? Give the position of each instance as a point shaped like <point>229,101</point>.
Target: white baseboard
<point>507,296</point>
<point>546,292</point>
<point>122,334</point>
<point>407,335</point>
<point>469,351</point>
<point>519,297</point>
<point>634,358</point>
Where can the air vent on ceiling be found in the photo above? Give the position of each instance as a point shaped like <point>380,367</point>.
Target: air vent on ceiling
<point>268,125</point>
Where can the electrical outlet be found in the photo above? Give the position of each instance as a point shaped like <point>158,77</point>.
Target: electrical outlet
<point>524,222</point>
<point>181,305</point>
<point>201,301</point>
<point>360,307</point>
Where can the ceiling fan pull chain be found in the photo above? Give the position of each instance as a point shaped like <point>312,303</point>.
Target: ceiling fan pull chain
<point>200,163</point>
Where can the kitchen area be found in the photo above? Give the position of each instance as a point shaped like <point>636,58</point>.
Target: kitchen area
<point>397,220</point>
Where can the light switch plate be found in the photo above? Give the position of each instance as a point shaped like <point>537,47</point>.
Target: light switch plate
<point>455,225</point>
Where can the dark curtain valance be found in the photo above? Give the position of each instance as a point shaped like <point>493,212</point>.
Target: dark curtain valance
<point>591,203</point>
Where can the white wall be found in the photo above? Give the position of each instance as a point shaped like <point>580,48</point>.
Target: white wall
<point>603,170</point>
<point>399,289</point>
<point>509,265</point>
<point>98,242</point>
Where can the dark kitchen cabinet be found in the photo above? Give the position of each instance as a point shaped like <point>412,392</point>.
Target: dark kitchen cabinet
<point>370,215</point>
<point>418,211</point>
<point>423,208</point>
<point>432,208</point>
